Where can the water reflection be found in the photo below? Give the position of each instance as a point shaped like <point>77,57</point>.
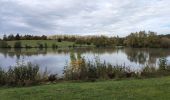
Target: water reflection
<point>56,59</point>
<point>144,56</point>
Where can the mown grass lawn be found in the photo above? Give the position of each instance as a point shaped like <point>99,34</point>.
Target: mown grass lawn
<point>141,89</point>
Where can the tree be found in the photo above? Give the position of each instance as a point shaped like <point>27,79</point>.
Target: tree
<point>165,42</point>
<point>59,40</point>
<point>17,37</point>
<point>4,37</point>
<point>153,39</point>
<point>132,40</point>
<point>11,37</point>
<point>143,39</point>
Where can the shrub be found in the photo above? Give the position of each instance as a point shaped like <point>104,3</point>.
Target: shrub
<point>4,44</point>
<point>40,45</point>
<point>45,45</point>
<point>148,71</point>
<point>27,46</point>
<point>162,63</point>
<point>52,77</point>
<point>59,40</point>
<point>54,46</point>
<point>92,73</point>
<point>2,76</point>
<point>88,43</point>
<point>17,44</point>
<point>69,46</point>
<point>20,75</point>
<point>79,69</point>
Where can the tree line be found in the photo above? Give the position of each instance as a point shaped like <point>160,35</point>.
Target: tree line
<point>12,37</point>
<point>147,39</point>
<point>98,41</point>
<point>136,40</point>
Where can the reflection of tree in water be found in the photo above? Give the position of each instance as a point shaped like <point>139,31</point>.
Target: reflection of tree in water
<point>155,54</point>
<point>21,52</point>
<point>136,55</point>
<point>146,56</point>
<point>35,51</point>
<point>141,56</point>
<point>96,50</point>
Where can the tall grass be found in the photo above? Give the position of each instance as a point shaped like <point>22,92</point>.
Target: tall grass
<point>80,69</point>
<point>22,74</point>
<point>163,70</point>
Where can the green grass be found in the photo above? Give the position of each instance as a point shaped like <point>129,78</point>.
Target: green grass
<point>134,89</point>
<point>34,43</point>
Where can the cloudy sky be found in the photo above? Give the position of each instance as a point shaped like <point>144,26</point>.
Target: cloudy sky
<point>109,17</point>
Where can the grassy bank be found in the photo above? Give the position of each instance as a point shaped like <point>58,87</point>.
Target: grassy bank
<point>34,43</point>
<point>48,43</point>
<point>134,89</point>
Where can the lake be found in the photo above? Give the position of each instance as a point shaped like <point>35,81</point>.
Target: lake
<point>55,60</point>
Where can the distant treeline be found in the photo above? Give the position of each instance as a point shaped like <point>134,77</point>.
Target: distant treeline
<point>12,37</point>
<point>138,39</point>
<point>98,41</point>
<point>149,39</point>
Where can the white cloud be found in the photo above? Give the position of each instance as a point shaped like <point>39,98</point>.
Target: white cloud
<point>110,17</point>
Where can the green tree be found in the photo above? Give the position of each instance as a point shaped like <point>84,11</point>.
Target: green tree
<point>17,37</point>
<point>165,42</point>
<point>4,37</point>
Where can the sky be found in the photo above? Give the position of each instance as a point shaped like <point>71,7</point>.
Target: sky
<point>84,17</point>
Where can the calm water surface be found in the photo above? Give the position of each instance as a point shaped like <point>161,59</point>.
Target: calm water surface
<point>55,60</point>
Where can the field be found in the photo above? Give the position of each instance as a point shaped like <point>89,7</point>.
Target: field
<point>132,89</point>
<point>34,43</point>
<point>50,43</point>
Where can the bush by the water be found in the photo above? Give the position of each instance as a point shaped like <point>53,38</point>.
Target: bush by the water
<point>18,44</point>
<point>54,46</point>
<point>163,70</point>
<point>23,75</point>
<point>80,69</point>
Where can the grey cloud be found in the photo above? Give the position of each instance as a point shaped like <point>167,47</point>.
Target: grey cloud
<point>110,17</point>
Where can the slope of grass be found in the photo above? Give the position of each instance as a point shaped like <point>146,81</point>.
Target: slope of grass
<point>146,89</point>
<point>49,43</point>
